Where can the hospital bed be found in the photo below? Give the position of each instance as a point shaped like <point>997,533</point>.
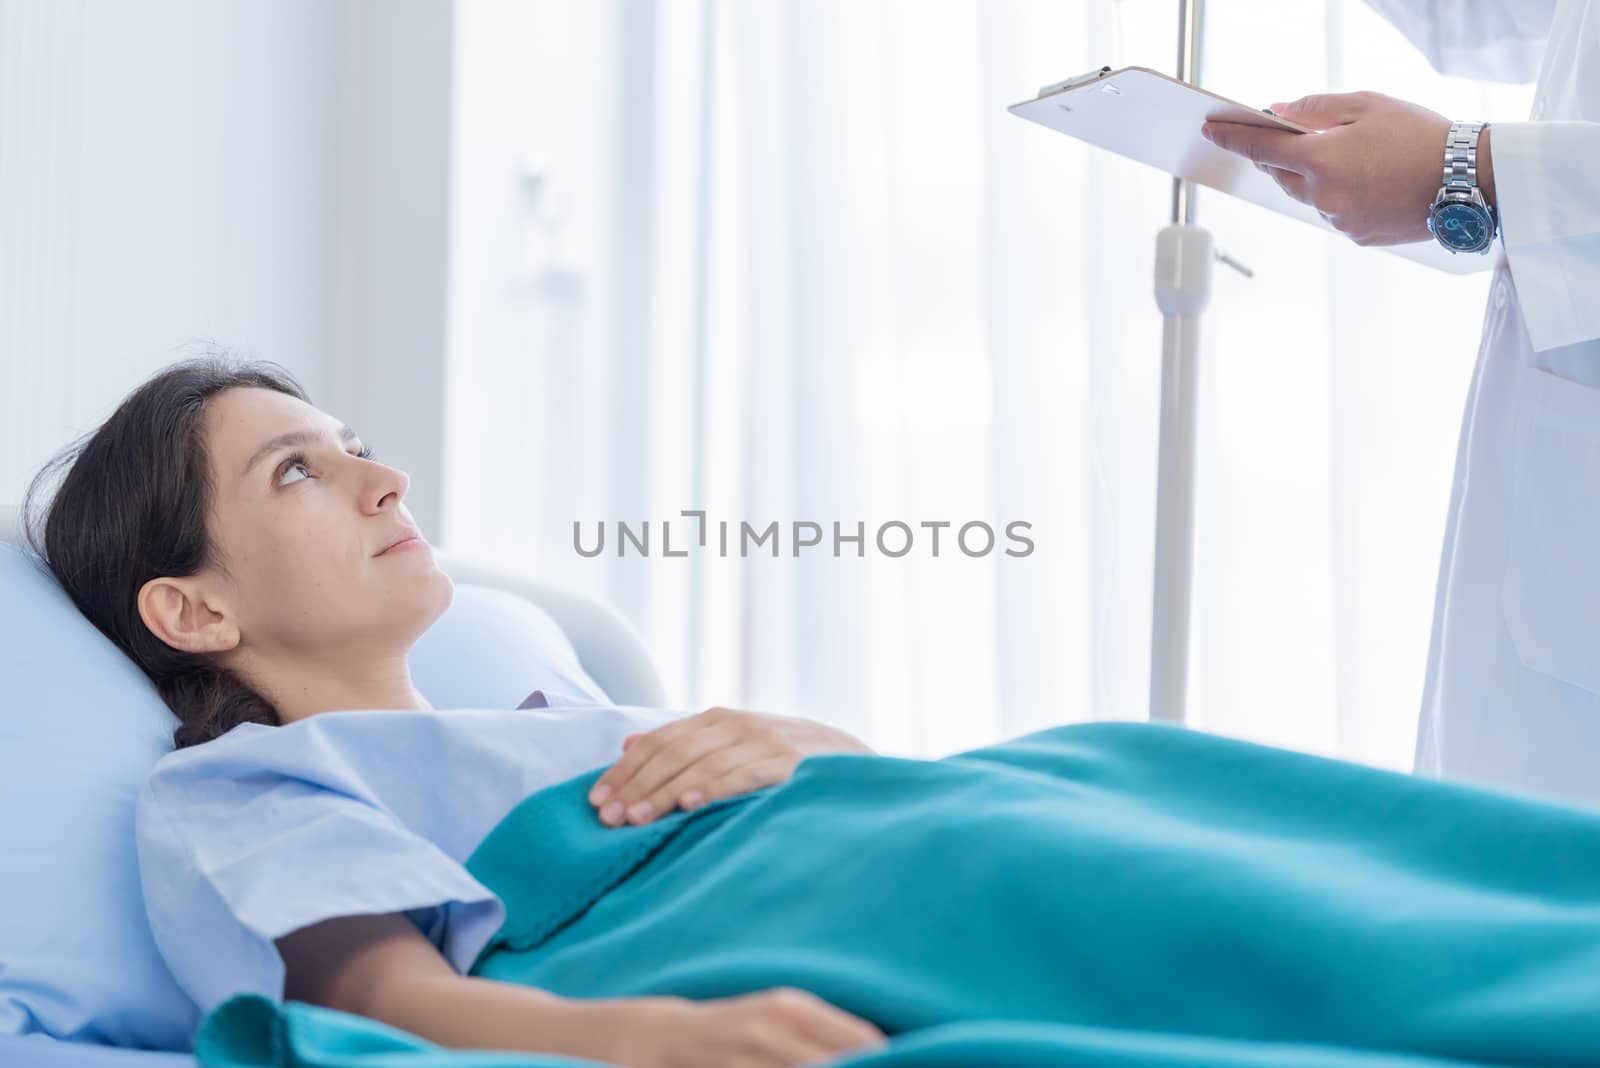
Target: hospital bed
<point>610,650</point>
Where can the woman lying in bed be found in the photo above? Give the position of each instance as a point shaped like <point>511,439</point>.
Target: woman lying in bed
<point>745,888</point>
<point>255,559</point>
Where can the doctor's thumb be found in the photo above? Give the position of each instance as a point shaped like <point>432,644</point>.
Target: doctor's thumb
<point>1322,110</point>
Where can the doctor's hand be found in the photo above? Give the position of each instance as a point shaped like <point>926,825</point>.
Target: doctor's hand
<point>718,753</point>
<point>1372,171</point>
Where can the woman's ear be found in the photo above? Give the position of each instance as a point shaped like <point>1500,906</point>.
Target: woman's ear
<point>181,613</point>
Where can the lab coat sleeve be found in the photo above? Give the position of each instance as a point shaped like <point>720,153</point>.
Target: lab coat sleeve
<point>1493,40</point>
<point>1547,196</point>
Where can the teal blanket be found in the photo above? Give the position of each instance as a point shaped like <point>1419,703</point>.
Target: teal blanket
<point>1109,894</point>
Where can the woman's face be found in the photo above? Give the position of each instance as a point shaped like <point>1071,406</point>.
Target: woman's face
<point>302,522</point>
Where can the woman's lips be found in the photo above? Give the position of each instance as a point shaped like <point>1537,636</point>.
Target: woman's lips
<point>413,542</point>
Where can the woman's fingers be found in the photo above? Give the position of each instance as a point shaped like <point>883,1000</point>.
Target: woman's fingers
<point>737,768</point>
<point>827,1025</point>
<point>645,745</point>
<point>791,1049</point>
<point>637,752</point>
<point>653,767</point>
<point>708,760</point>
<point>747,776</point>
<point>837,1030</point>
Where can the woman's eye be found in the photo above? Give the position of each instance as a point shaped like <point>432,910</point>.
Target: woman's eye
<point>298,462</point>
<point>294,465</point>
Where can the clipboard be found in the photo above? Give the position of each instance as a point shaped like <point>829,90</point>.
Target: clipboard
<point>1155,119</point>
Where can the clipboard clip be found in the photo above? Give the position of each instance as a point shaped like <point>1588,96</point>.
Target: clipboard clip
<point>1073,83</point>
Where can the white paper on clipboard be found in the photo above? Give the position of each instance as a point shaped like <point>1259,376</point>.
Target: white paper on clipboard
<point>1154,118</point>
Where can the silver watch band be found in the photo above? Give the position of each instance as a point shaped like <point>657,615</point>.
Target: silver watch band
<point>1461,156</point>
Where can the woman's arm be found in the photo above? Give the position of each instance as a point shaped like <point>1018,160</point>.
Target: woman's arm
<point>383,968</point>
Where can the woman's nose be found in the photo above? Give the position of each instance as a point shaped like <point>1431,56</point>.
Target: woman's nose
<point>386,482</point>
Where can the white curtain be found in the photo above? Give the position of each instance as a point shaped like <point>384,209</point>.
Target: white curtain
<point>795,262</point>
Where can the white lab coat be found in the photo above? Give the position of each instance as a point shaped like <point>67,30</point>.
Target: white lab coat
<point>1512,691</point>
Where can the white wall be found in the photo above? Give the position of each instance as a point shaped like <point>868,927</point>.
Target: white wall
<point>544,342</point>
<point>391,236</point>
<point>163,178</point>
<point>265,174</point>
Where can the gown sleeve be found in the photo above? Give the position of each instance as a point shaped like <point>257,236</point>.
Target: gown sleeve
<point>232,857</point>
<point>1493,40</point>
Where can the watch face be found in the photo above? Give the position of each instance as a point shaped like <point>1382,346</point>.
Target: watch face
<point>1464,227</point>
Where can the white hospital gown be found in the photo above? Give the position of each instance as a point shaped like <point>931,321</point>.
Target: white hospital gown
<point>270,829</point>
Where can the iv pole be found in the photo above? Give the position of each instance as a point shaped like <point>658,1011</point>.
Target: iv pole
<point>1183,270</point>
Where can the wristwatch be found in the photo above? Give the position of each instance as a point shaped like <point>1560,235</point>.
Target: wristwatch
<point>1459,216</point>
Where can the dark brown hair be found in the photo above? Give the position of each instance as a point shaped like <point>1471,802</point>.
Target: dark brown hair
<point>131,507</point>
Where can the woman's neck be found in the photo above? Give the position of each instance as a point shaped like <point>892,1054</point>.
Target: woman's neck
<point>310,688</point>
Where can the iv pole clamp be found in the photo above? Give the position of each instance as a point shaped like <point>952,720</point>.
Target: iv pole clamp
<point>1183,270</point>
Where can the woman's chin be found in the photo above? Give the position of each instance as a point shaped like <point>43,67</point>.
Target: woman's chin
<point>408,603</point>
<point>443,591</point>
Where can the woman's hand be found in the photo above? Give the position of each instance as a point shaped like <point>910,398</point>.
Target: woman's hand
<point>774,1028</point>
<point>718,753</point>
<point>1373,170</point>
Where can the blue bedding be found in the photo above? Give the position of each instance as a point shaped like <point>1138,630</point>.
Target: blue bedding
<point>41,1051</point>
<point>1115,894</point>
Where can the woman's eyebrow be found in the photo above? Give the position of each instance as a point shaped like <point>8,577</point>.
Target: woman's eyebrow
<point>294,437</point>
